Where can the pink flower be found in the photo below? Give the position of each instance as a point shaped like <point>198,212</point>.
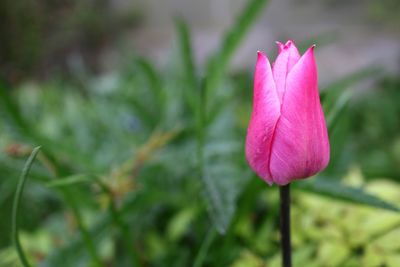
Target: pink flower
<point>287,138</point>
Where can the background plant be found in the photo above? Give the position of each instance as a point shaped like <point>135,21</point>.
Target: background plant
<point>146,166</point>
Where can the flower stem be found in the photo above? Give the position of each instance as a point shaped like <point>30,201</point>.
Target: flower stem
<point>285,225</point>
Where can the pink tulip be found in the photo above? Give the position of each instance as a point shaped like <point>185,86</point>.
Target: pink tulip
<point>287,138</point>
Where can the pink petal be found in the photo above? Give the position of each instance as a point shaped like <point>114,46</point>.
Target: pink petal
<point>287,58</point>
<point>300,147</point>
<point>266,110</point>
<point>280,47</point>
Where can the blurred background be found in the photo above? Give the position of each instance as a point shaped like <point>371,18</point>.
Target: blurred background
<point>141,108</point>
<point>46,38</point>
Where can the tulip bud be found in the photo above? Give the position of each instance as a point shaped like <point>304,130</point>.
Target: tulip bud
<point>287,138</point>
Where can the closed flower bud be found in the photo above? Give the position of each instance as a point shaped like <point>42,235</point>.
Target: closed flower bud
<point>287,138</point>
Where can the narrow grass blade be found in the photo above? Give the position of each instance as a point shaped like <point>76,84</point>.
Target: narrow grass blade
<point>188,65</point>
<point>231,41</point>
<point>336,96</point>
<point>71,180</point>
<point>16,204</point>
<point>201,256</point>
<point>8,105</point>
<point>155,82</point>
<point>185,46</point>
<point>338,109</point>
<point>335,189</point>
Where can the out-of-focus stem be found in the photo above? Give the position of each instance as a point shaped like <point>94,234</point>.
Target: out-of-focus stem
<point>82,228</point>
<point>117,219</point>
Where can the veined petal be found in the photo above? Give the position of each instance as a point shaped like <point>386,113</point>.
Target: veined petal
<point>266,110</point>
<point>300,147</point>
<point>287,58</point>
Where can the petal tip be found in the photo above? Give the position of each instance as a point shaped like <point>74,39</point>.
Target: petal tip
<point>261,56</point>
<point>289,43</point>
<point>310,50</point>
<point>260,53</point>
<point>281,46</point>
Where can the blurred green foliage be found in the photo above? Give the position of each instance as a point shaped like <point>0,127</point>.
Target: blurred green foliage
<point>385,12</point>
<point>145,167</point>
<point>39,36</point>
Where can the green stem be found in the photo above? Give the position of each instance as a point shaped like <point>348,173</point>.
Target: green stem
<point>17,199</point>
<point>198,262</point>
<point>117,219</point>
<point>116,216</point>
<point>82,228</point>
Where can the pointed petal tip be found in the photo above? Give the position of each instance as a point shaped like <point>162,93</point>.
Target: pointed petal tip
<point>280,46</point>
<point>310,50</point>
<point>262,57</point>
<point>260,54</point>
<point>289,43</point>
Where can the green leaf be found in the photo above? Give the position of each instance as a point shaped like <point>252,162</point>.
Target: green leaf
<point>223,184</point>
<point>202,255</point>
<point>16,205</point>
<point>73,253</point>
<point>143,112</point>
<point>338,109</point>
<point>222,177</point>
<point>220,204</point>
<point>11,108</point>
<point>153,77</point>
<point>219,63</point>
<point>337,190</point>
<point>188,65</point>
<point>332,92</point>
<point>71,180</point>
<point>222,181</point>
